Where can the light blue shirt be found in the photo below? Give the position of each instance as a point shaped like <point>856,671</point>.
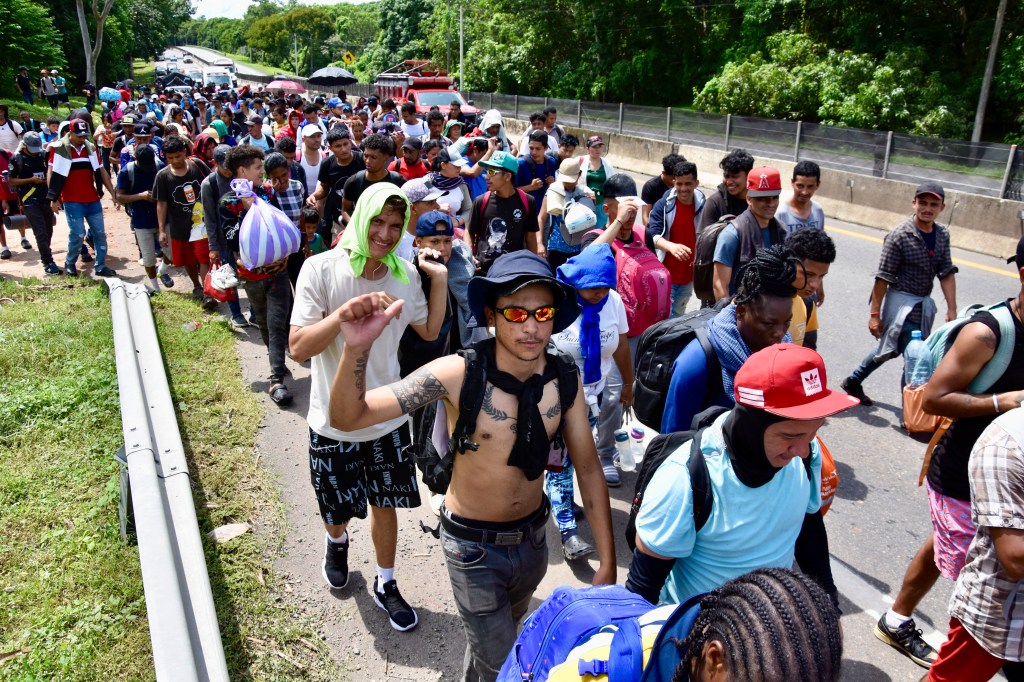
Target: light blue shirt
<point>727,250</point>
<point>749,528</point>
<point>791,222</point>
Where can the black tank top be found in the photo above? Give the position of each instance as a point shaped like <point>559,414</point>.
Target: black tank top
<point>947,473</point>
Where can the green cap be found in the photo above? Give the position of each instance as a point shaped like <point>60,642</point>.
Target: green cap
<point>502,161</point>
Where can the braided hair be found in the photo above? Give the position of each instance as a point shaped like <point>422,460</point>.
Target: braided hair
<point>771,272</point>
<point>775,626</point>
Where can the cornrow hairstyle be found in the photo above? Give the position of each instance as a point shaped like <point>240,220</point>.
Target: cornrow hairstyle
<point>812,244</point>
<point>775,626</point>
<point>771,272</point>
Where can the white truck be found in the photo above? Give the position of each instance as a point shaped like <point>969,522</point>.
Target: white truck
<point>227,65</point>
<point>217,77</point>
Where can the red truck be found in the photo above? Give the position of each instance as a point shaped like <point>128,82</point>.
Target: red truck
<point>419,82</point>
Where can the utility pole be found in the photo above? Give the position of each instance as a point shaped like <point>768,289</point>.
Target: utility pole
<point>295,51</point>
<point>990,66</point>
<point>462,75</point>
<point>448,31</point>
<point>310,54</point>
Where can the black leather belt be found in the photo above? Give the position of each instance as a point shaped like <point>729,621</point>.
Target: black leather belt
<point>503,538</point>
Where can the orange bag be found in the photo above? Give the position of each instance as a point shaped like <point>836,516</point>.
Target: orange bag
<point>914,417</point>
<point>829,477</point>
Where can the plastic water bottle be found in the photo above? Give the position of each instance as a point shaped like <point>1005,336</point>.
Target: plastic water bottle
<point>917,361</point>
<point>636,440</point>
<point>626,461</point>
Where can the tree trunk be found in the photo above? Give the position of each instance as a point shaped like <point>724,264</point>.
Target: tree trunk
<point>92,50</point>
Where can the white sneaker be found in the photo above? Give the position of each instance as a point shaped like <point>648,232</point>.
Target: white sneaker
<point>223,278</point>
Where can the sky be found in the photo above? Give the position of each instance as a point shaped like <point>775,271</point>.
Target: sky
<point>235,9</point>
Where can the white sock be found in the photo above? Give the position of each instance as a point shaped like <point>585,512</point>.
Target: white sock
<point>339,541</point>
<point>895,620</point>
<point>385,575</point>
<point>154,283</point>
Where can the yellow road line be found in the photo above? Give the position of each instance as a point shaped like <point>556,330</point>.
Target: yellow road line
<point>959,261</point>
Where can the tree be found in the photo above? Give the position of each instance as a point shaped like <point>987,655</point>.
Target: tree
<point>31,39</point>
<point>93,47</point>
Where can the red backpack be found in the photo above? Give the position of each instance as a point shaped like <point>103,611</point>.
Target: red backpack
<point>644,283</point>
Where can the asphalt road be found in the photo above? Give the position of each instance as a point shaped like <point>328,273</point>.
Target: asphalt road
<point>210,55</point>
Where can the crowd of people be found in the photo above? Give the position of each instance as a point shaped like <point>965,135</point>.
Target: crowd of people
<point>526,277</point>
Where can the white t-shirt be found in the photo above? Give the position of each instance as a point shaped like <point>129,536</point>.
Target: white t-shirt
<point>9,135</point>
<point>417,129</point>
<point>612,323</point>
<point>325,283</point>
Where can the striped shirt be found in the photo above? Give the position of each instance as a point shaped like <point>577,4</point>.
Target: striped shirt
<point>79,166</point>
<point>986,600</point>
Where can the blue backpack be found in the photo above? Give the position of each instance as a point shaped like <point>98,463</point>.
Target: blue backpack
<point>941,339</point>
<point>570,616</point>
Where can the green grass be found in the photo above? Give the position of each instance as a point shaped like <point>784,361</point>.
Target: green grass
<point>71,601</point>
<point>145,71</point>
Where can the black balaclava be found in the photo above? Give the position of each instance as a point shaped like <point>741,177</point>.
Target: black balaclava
<point>744,439</point>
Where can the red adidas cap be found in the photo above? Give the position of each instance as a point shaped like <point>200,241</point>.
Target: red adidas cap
<point>788,381</point>
<point>764,181</point>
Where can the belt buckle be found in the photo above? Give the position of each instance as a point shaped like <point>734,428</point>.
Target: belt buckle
<point>508,538</point>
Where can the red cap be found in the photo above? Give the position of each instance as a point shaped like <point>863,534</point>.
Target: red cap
<point>764,181</point>
<point>788,381</point>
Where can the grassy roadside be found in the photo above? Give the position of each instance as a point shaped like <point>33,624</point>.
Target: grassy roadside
<point>72,605</point>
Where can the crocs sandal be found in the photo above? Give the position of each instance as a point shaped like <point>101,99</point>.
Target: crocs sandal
<point>280,395</point>
<point>574,547</point>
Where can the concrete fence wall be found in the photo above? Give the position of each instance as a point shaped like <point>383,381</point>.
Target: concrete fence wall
<point>983,224</point>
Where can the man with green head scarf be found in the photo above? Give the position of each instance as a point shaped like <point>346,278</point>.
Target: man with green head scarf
<point>368,467</point>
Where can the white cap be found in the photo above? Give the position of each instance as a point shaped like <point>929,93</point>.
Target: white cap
<point>311,129</point>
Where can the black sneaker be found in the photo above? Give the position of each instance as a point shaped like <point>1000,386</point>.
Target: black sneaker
<point>70,270</point>
<point>335,566</point>
<point>166,280</point>
<point>908,641</point>
<point>52,269</point>
<point>86,256</point>
<point>26,244</point>
<point>857,391</point>
<point>104,272</point>
<point>401,615</point>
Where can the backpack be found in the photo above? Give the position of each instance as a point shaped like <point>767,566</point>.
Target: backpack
<point>568,617</point>
<point>643,282</point>
<point>941,340</point>
<point>657,350</point>
<point>704,258</point>
<point>483,251</point>
<point>700,481</point>
<point>130,170</point>
<point>437,468</point>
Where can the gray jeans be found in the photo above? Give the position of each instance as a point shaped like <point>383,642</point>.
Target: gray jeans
<point>493,585</point>
<point>270,299</point>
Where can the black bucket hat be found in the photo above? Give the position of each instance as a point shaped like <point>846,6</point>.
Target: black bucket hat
<point>509,273</point>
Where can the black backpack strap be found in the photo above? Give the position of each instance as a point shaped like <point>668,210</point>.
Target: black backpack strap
<point>700,483</point>
<point>470,399</point>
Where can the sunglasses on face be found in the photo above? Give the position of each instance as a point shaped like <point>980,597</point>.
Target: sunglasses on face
<point>520,315</point>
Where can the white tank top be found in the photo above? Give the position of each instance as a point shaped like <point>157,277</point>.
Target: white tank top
<point>312,172</point>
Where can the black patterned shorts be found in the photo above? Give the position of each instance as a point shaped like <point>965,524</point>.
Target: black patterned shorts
<point>348,476</point>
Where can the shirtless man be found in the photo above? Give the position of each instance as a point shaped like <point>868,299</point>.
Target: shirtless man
<point>494,516</point>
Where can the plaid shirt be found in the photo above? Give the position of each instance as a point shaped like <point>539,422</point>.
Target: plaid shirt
<point>292,200</point>
<point>986,601</point>
<point>905,262</point>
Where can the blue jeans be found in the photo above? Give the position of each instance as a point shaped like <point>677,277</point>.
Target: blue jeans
<point>559,487</point>
<point>233,307</point>
<point>492,585</point>
<point>680,297</point>
<point>29,97</point>
<point>610,417</point>
<point>77,215</point>
<point>270,299</point>
<point>869,364</point>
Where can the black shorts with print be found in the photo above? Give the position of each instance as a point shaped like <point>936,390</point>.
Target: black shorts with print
<point>348,476</point>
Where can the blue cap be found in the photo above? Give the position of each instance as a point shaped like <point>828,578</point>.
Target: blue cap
<point>434,224</point>
<point>334,102</point>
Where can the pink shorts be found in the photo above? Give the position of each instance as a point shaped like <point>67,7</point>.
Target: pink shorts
<point>954,530</point>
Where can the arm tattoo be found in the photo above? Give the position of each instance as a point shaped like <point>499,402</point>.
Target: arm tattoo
<point>360,374</point>
<point>553,411</point>
<point>489,409</point>
<point>418,389</point>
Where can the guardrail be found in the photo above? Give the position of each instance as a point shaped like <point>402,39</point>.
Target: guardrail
<point>183,624</point>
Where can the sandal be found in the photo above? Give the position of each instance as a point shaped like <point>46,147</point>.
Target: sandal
<point>574,547</point>
<point>280,395</point>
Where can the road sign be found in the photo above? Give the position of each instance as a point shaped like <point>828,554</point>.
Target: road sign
<point>348,58</point>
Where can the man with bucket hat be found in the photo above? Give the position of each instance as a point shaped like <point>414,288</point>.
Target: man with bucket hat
<point>763,468</point>
<point>493,522</point>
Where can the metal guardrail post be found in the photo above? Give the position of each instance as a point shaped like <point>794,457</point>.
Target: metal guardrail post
<point>668,123</point>
<point>516,116</point>
<point>888,152</point>
<point>183,625</point>
<point>1006,174</point>
<point>728,130</point>
<point>579,113</point>
<point>620,117</point>
<point>796,146</point>
<point>545,102</point>
<point>490,100</point>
